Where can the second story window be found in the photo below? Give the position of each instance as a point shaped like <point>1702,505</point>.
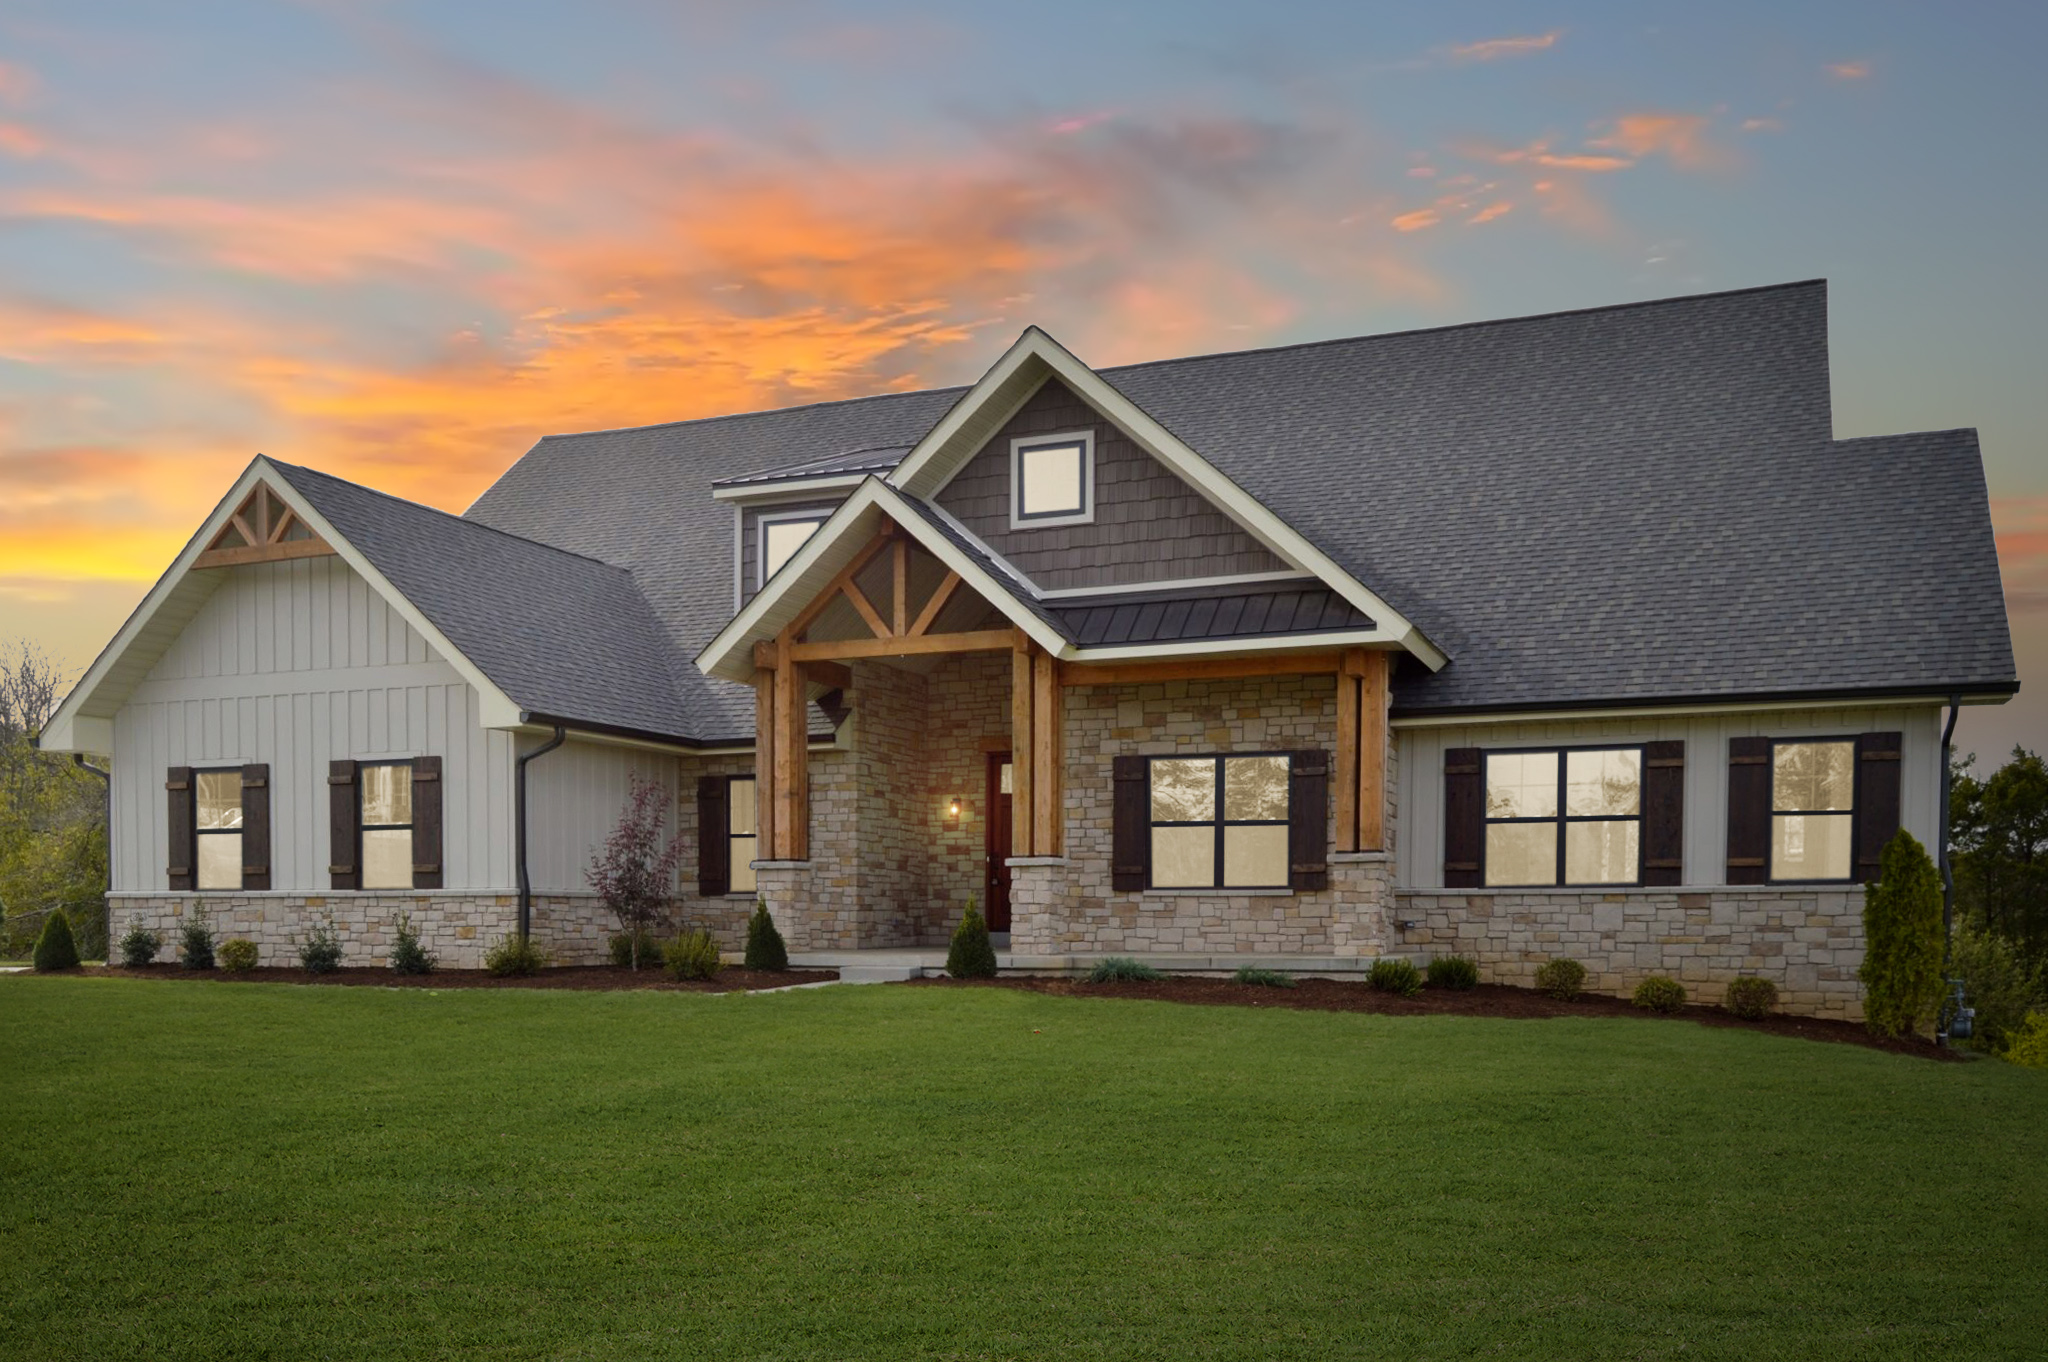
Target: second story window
<point>217,825</point>
<point>782,535</point>
<point>1052,480</point>
<point>387,824</point>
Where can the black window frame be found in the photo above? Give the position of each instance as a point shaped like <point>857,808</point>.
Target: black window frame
<point>1219,822</point>
<point>1563,819</point>
<point>732,861</point>
<point>1773,813</point>
<point>239,829</point>
<point>1083,443</point>
<point>363,824</point>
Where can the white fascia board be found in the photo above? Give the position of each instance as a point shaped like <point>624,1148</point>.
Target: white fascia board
<point>932,463</point>
<point>495,708</point>
<point>789,490</point>
<point>810,571</point>
<point>1507,718</point>
<point>1237,647</point>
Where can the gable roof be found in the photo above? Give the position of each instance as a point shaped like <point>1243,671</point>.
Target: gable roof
<point>1617,505</point>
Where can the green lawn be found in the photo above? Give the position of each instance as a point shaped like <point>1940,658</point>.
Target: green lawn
<point>205,1170</point>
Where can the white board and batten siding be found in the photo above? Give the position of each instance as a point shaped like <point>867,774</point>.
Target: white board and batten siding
<point>574,796</point>
<point>297,664</point>
<point>1419,844</point>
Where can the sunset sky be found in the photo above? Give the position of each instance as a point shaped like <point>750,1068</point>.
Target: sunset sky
<point>402,241</point>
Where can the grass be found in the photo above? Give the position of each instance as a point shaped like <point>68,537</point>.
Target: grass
<point>208,1170</point>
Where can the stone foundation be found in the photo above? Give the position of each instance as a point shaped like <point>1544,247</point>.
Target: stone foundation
<point>1809,942</point>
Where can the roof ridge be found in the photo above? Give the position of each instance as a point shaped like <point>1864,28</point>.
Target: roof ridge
<point>760,411</point>
<point>445,515</point>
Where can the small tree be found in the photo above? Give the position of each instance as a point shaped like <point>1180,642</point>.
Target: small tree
<point>764,944</point>
<point>973,955</point>
<point>1901,970</point>
<point>55,949</point>
<point>635,873</point>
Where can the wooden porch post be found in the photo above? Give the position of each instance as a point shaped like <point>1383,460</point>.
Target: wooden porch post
<point>792,754</point>
<point>1022,751</point>
<point>764,764</point>
<point>1372,753</point>
<point>1349,674</point>
<point>1046,755</point>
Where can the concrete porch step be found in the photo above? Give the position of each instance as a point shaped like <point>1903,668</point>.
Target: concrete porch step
<point>881,974</point>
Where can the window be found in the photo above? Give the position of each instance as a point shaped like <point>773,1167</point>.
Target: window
<point>1564,816</point>
<point>782,535</point>
<point>741,834</point>
<point>217,822</point>
<point>1052,480</point>
<point>1813,809</point>
<point>1219,822</point>
<point>387,824</point>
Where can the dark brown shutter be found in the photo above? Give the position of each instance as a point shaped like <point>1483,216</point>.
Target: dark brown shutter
<point>182,851</point>
<point>256,826</point>
<point>1878,771</point>
<point>343,812</point>
<point>1464,817</point>
<point>1131,836</point>
<point>426,822</point>
<point>1749,810</point>
<point>1308,820</point>
<point>1663,813</point>
<point>714,843</point>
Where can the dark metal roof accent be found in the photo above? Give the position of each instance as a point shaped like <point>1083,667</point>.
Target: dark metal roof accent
<point>1198,613</point>
<point>877,460</point>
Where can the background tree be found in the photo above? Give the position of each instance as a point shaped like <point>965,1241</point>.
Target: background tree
<point>1999,851</point>
<point>53,840</point>
<point>635,873</point>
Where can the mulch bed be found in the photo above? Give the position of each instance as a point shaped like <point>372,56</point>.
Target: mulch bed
<point>588,978</point>
<point>1487,1000</point>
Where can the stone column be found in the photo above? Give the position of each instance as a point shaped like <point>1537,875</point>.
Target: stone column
<point>785,886</point>
<point>1361,892</point>
<point>1038,890</point>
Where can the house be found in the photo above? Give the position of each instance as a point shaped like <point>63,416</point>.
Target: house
<point>1577,634</point>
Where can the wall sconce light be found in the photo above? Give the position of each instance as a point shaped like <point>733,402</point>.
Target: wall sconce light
<point>953,809</point>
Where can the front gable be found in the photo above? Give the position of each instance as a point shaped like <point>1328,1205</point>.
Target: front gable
<point>1145,526</point>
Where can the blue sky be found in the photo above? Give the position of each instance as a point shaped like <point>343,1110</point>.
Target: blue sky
<point>401,241</point>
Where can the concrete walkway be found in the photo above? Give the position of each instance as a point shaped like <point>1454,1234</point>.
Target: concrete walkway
<point>889,964</point>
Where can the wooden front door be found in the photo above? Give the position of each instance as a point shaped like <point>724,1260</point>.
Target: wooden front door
<point>997,880</point>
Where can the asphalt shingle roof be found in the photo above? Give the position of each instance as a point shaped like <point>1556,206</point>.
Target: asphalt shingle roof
<point>1622,504</point>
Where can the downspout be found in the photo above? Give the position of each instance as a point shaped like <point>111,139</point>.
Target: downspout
<point>519,825</point>
<point>107,829</point>
<point>1948,879</point>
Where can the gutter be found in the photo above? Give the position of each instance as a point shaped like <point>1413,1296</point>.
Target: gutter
<point>1948,878</point>
<point>519,823</point>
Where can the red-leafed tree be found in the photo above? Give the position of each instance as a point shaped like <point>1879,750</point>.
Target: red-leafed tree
<point>635,873</point>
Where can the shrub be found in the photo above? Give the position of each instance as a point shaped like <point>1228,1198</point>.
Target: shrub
<point>1394,976</point>
<point>1453,971</point>
<point>1752,998</point>
<point>55,948</point>
<point>195,940</point>
<point>693,955</point>
<point>140,946</point>
<point>1122,969</point>
<point>238,955</point>
<point>1998,983</point>
<point>2029,1044</point>
<point>972,955</point>
<point>1562,979</point>
<point>515,957</point>
<point>764,944</point>
<point>1263,978</point>
<point>1660,993</point>
<point>629,948</point>
<point>1901,973</point>
<point>320,952</point>
<point>408,956</point>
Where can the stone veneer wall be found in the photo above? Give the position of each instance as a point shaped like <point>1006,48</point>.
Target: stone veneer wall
<point>1809,942</point>
<point>892,812</point>
<point>968,701</point>
<point>457,926</point>
<point>1068,907</point>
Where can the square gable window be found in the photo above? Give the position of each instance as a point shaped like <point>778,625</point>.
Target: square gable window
<point>1052,479</point>
<point>782,535</point>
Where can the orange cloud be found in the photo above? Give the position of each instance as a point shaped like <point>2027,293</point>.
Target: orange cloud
<point>1540,154</point>
<point>1679,137</point>
<point>1416,221</point>
<point>1492,49</point>
<point>1849,70</point>
<point>1490,212</point>
<point>2020,526</point>
<point>1762,125</point>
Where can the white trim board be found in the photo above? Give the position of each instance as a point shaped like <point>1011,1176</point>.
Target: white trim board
<point>794,488</point>
<point>1662,711</point>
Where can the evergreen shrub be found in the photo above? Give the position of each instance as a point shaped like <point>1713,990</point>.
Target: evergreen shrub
<point>238,955</point>
<point>1122,969</point>
<point>693,955</point>
<point>764,944</point>
<point>195,940</point>
<point>1660,993</point>
<point>55,947</point>
<point>1562,979</point>
<point>1263,978</point>
<point>1998,983</point>
<point>1902,941</point>
<point>1454,972</point>
<point>515,957</point>
<point>1396,976</point>
<point>408,956</point>
<point>320,952</point>
<point>1752,998</point>
<point>972,955</point>
<point>623,946</point>
<point>139,947</point>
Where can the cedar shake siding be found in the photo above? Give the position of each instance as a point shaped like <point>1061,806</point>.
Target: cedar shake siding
<point>1149,526</point>
<point>750,537</point>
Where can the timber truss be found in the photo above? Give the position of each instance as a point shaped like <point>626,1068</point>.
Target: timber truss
<point>787,668</point>
<point>262,530</point>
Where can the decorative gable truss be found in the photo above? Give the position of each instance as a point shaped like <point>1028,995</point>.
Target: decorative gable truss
<point>263,529</point>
